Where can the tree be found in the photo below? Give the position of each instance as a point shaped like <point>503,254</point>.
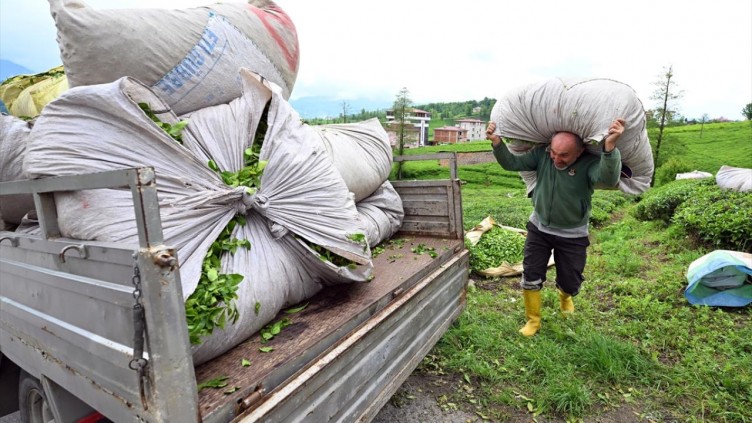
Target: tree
<point>345,110</point>
<point>705,118</point>
<point>401,108</point>
<point>666,94</point>
<point>747,111</point>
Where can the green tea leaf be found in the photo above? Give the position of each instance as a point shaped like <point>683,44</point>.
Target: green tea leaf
<point>296,309</point>
<point>215,383</point>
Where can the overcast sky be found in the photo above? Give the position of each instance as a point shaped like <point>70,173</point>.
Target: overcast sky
<point>467,50</point>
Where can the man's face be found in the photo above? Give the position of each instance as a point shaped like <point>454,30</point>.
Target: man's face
<point>564,150</point>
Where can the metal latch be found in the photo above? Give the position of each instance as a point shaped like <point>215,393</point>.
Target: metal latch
<point>80,248</point>
<point>13,240</point>
<point>138,363</point>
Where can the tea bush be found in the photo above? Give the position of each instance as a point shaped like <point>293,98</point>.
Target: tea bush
<point>661,203</point>
<point>721,218</point>
<point>605,202</point>
<point>667,172</point>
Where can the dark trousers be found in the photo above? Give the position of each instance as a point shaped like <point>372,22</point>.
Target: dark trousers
<point>570,255</point>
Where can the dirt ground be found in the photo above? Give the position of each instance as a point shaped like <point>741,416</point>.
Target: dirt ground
<point>428,399</point>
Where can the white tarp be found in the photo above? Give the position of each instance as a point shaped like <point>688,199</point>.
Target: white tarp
<point>189,57</point>
<point>302,196</point>
<point>735,178</point>
<point>14,134</point>
<point>721,278</point>
<point>532,114</point>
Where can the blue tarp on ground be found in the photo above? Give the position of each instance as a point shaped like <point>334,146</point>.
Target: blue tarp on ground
<point>721,278</point>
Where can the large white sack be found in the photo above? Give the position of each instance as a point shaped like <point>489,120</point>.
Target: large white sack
<point>303,197</point>
<point>361,153</point>
<point>190,57</point>
<point>276,276</point>
<point>735,178</point>
<point>14,134</point>
<point>533,113</point>
<point>99,128</point>
<point>695,174</point>
<point>381,214</point>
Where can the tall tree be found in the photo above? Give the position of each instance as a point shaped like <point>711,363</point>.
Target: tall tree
<point>705,118</point>
<point>402,107</point>
<point>345,110</point>
<point>666,93</point>
<point>747,111</point>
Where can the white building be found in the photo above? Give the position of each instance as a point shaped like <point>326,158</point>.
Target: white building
<point>475,128</point>
<point>419,119</point>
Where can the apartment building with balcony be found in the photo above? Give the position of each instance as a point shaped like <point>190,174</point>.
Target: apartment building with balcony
<point>419,120</point>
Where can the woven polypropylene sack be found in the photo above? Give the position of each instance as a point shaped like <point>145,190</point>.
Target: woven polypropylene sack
<point>189,57</point>
<point>734,178</point>
<point>302,199</point>
<point>534,113</point>
<point>14,135</point>
<point>360,152</point>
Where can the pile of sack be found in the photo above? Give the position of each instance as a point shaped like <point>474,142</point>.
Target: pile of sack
<point>322,199</point>
<point>530,115</point>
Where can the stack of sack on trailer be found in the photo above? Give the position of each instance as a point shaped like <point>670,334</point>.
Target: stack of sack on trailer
<point>530,115</point>
<point>14,136</point>
<point>321,197</point>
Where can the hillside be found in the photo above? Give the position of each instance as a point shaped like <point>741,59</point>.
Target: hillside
<point>8,69</point>
<point>708,148</point>
<point>697,148</point>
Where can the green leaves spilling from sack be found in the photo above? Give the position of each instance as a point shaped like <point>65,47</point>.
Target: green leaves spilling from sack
<point>495,247</point>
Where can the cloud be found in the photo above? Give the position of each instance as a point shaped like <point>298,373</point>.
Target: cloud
<point>453,51</point>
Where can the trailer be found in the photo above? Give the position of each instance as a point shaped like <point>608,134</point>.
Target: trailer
<point>93,331</point>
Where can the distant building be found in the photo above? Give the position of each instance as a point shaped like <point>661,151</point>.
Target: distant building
<point>412,135</point>
<point>476,110</point>
<point>475,128</point>
<point>418,118</point>
<point>449,135</point>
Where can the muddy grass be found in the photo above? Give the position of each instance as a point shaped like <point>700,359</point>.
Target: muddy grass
<point>446,398</point>
<point>430,398</point>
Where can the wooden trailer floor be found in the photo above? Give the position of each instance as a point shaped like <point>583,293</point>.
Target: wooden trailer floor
<point>329,316</point>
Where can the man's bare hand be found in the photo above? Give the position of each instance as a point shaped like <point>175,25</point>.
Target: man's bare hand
<point>495,139</point>
<point>614,132</point>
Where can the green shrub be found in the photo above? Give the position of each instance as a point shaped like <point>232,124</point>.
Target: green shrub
<point>667,172</point>
<point>718,217</point>
<point>661,203</point>
<point>604,204</point>
<point>495,247</point>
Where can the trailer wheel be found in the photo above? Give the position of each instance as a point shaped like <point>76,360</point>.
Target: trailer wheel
<point>33,401</point>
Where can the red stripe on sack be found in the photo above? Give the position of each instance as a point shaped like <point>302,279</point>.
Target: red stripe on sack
<point>280,16</point>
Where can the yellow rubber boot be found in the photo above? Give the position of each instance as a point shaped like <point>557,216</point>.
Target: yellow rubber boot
<point>566,303</point>
<point>532,312</point>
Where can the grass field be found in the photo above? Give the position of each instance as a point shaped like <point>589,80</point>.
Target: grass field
<point>635,351</point>
<point>707,148</point>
